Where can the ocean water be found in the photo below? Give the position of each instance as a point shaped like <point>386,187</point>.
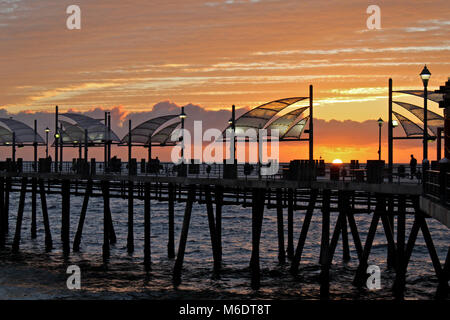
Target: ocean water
<point>34,274</point>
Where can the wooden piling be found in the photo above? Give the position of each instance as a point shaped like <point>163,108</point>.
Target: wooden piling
<point>344,231</point>
<point>280,228</point>
<point>171,241</point>
<point>65,216</point>
<point>258,200</point>
<point>48,234</point>
<point>324,246</point>
<point>212,227</point>
<point>361,274</point>
<point>335,237</point>
<point>6,206</point>
<point>106,224</point>
<point>112,233</point>
<point>2,214</point>
<point>443,289</point>
<point>77,241</point>
<point>23,190</point>
<point>33,207</point>
<point>400,274</point>
<point>391,255</point>
<point>147,228</point>
<point>304,232</point>
<point>351,221</point>
<point>219,204</point>
<point>184,234</point>
<point>290,241</point>
<point>430,246</point>
<point>130,236</point>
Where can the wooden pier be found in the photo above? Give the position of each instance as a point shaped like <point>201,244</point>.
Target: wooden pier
<point>385,202</point>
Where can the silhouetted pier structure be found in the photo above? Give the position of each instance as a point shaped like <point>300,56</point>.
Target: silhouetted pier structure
<point>306,186</point>
<point>385,201</point>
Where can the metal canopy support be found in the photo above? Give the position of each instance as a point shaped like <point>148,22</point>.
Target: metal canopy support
<point>311,125</point>
<point>390,134</point>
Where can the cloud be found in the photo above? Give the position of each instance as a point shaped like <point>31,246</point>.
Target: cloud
<point>406,49</point>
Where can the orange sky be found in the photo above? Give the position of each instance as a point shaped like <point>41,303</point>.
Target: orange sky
<point>215,53</point>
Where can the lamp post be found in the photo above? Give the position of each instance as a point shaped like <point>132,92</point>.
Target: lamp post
<point>380,124</point>
<point>47,130</point>
<point>182,117</point>
<point>425,75</point>
<point>232,123</point>
<point>57,136</point>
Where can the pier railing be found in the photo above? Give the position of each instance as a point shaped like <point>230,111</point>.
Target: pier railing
<point>437,185</point>
<point>401,173</point>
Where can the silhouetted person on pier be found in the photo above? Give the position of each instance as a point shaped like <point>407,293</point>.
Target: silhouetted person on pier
<point>413,165</point>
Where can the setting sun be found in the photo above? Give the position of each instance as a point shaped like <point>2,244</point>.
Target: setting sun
<point>337,161</point>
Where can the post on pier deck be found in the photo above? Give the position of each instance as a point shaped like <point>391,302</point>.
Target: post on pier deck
<point>105,140</point>
<point>34,185</point>
<point>109,137</point>
<point>149,150</point>
<point>311,124</point>
<point>61,147</point>
<point>86,147</point>
<point>390,135</point>
<point>56,139</point>
<point>14,148</point>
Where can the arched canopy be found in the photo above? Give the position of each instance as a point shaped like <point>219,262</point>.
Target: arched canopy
<point>23,133</point>
<point>163,136</point>
<point>258,117</point>
<point>434,120</point>
<point>295,131</point>
<point>72,133</point>
<point>433,96</point>
<point>141,134</point>
<point>6,136</point>
<point>410,128</point>
<point>97,131</point>
<point>283,123</point>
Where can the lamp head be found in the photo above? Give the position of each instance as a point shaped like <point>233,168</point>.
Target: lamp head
<point>47,130</point>
<point>57,136</point>
<point>182,114</point>
<point>425,75</point>
<point>380,122</point>
<point>394,123</point>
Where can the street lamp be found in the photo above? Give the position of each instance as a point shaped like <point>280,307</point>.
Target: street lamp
<point>394,123</point>
<point>380,124</point>
<point>425,76</point>
<point>47,130</point>
<point>182,117</point>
